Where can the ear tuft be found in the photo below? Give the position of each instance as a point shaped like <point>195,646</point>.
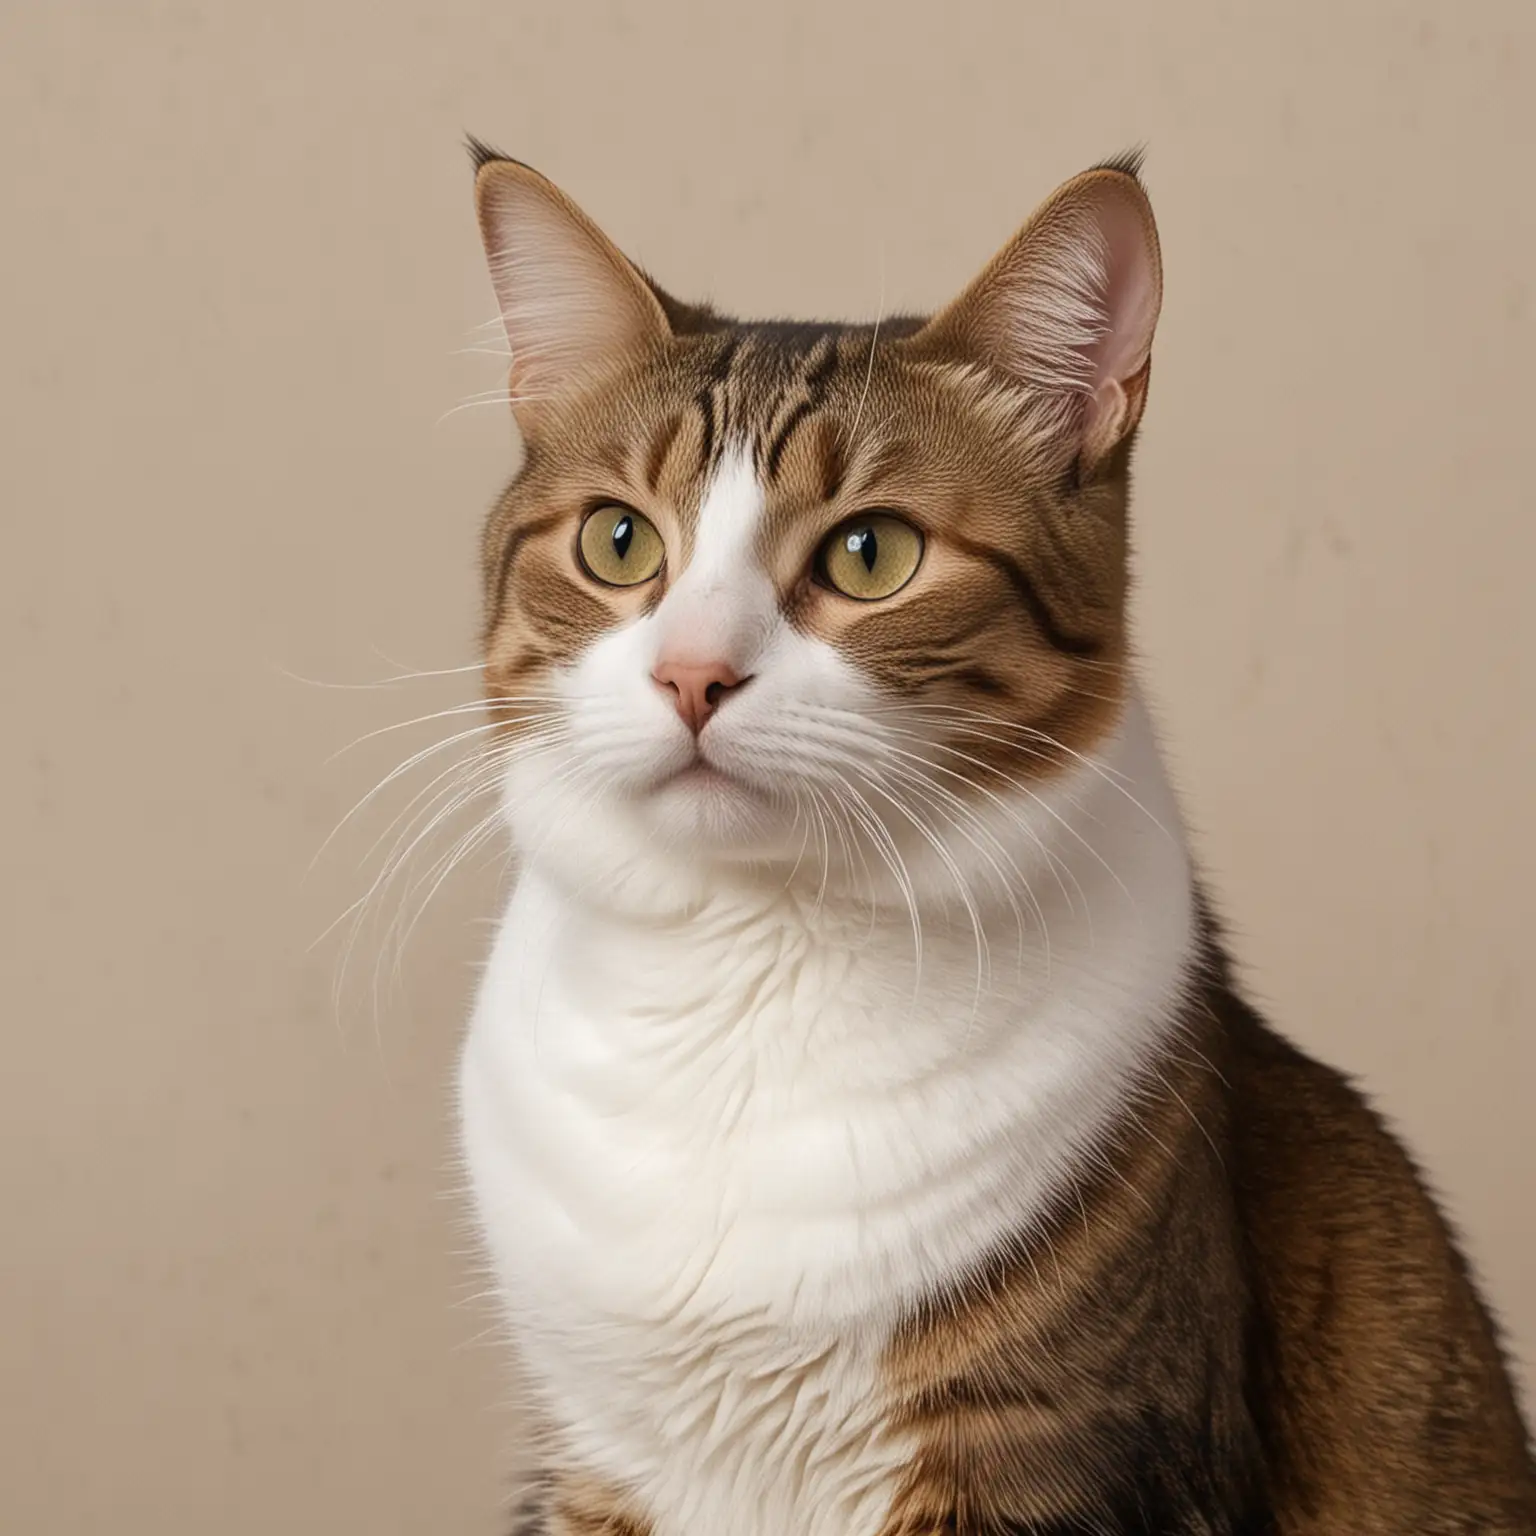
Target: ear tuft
<point>1128,162</point>
<point>480,153</point>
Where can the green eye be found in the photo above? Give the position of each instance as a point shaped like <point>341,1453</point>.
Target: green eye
<point>619,547</point>
<point>871,556</point>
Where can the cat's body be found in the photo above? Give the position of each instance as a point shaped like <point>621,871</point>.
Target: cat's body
<point>864,1131</point>
<point>726,1184</point>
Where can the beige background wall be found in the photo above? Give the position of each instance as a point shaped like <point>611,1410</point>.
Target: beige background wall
<point>237,260</point>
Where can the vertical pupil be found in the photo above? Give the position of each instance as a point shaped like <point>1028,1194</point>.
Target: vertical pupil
<point>623,536</point>
<point>863,544</point>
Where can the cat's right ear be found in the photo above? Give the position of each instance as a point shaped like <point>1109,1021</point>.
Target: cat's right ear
<point>570,300</point>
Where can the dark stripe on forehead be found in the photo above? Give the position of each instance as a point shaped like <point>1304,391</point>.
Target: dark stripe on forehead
<point>713,402</point>
<point>834,465</point>
<point>661,446</point>
<point>720,366</point>
<point>818,376</point>
<point>705,402</point>
<point>726,396</point>
<point>1029,596</point>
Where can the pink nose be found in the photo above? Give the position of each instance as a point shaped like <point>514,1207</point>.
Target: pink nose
<point>696,689</point>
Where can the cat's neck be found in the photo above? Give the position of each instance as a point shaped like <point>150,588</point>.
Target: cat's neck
<point>753,1034</point>
<point>1092,942</point>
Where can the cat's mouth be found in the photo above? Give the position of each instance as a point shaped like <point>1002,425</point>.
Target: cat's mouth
<point>702,775</point>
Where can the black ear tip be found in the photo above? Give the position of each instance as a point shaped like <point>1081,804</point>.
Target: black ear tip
<point>1128,162</point>
<point>480,153</point>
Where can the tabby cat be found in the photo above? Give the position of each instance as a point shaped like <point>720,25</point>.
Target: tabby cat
<point>864,1127</point>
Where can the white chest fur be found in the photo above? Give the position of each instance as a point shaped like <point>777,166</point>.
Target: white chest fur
<point>716,1155</point>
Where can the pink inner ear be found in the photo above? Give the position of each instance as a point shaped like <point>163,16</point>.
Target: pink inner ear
<point>1131,295</point>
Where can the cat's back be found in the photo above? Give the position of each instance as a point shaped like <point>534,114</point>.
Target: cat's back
<point>1380,1387</point>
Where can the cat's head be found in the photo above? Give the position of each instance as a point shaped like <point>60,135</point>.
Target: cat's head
<point>762,583</point>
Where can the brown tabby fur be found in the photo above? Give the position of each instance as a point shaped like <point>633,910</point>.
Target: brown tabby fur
<point>1248,1318</point>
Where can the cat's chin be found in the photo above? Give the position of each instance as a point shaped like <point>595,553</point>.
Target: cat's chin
<point>702,778</point>
<point>714,812</point>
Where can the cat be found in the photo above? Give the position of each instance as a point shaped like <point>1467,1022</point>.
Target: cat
<point>859,1114</point>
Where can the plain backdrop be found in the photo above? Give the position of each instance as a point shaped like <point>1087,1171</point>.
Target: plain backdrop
<point>240,275</point>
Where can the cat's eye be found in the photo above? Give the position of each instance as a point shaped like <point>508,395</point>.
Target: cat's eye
<point>870,556</point>
<point>619,547</point>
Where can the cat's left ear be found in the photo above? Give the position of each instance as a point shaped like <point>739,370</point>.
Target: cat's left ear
<point>570,300</point>
<point>1067,309</point>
